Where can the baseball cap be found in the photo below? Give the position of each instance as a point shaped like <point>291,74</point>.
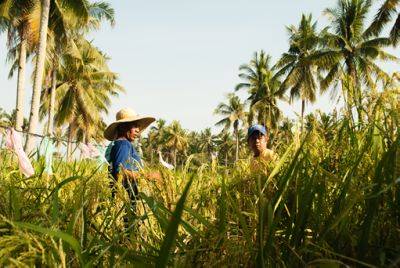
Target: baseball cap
<point>254,128</point>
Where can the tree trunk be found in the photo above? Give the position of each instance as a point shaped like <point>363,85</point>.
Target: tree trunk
<point>303,104</point>
<point>37,83</point>
<point>265,119</point>
<point>271,129</point>
<point>175,152</point>
<point>356,94</point>
<point>140,150</point>
<point>237,145</point>
<point>19,108</point>
<point>69,144</point>
<point>50,125</point>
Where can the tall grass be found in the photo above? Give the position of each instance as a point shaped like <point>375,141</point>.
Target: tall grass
<point>332,199</point>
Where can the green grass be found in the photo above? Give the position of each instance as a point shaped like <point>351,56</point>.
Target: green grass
<point>332,199</point>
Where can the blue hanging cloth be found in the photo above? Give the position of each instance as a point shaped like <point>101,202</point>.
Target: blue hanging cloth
<point>101,158</point>
<point>47,149</point>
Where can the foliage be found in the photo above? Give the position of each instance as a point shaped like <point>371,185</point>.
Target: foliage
<point>263,89</point>
<point>332,198</point>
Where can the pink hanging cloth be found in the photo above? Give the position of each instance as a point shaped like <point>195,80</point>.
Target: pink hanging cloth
<point>94,152</point>
<point>14,143</point>
<point>85,151</point>
<point>89,151</point>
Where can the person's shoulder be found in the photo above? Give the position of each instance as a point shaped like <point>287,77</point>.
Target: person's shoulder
<point>270,154</point>
<point>121,144</point>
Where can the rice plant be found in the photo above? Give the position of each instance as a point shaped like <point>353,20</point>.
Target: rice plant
<point>332,199</point>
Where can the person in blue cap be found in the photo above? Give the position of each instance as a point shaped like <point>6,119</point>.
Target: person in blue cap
<point>257,138</point>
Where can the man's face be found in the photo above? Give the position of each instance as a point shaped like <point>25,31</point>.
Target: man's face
<point>257,143</point>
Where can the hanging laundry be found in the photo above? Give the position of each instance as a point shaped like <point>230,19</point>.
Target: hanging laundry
<point>91,151</point>
<point>101,158</point>
<point>85,151</point>
<point>14,143</point>
<point>47,149</point>
<point>94,152</point>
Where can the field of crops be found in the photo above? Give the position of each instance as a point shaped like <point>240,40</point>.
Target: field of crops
<point>332,198</point>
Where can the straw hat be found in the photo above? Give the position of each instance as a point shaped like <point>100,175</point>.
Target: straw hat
<point>124,116</point>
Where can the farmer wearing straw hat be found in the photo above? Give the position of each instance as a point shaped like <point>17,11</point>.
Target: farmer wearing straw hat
<point>125,162</point>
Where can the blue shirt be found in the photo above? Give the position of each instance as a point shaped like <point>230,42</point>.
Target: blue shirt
<point>123,154</point>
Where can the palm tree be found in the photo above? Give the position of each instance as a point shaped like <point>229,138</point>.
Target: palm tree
<point>159,128</point>
<point>6,119</point>
<point>17,20</point>
<point>300,74</point>
<point>285,131</point>
<point>62,38</point>
<point>155,139</point>
<point>176,139</point>
<point>225,144</point>
<point>37,82</point>
<point>349,50</point>
<point>84,90</point>
<point>384,16</point>
<point>233,113</point>
<point>263,88</point>
<point>150,144</point>
<point>206,142</point>
<point>71,9</point>
<point>326,123</point>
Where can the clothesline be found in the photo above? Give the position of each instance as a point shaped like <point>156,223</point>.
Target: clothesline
<point>94,151</point>
<point>48,136</point>
<point>46,148</point>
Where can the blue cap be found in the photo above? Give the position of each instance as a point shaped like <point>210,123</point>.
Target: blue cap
<point>255,128</point>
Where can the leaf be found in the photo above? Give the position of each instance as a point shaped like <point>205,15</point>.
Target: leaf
<point>70,240</point>
<point>172,229</point>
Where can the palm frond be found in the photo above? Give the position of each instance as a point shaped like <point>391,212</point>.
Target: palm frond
<point>382,17</point>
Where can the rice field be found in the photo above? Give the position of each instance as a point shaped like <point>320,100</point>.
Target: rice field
<point>332,199</point>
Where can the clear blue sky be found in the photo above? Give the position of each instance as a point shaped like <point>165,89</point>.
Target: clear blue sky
<point>178,59</point>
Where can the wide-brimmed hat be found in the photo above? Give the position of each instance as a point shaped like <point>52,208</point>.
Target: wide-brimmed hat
<point>124,116</point>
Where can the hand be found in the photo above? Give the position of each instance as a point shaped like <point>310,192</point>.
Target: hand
<point>156,176</point>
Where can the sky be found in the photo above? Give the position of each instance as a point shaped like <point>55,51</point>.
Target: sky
<point>178,59</point>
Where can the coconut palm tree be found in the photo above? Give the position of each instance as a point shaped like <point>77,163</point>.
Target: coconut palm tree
<point>84,91</point>
<point>17,20</point>
<point>299,73</point>
<point>285,135</point>
<point>155,139</point>
<point>206,142</point>
<point>71,9</point>
<point>39,68</point>
<point>5,118</point>
<point>176,139</point>
<point>151,144</point>
<point>62,38</point>
<point>159,128</point>
<point>234,113</point>
<point>388,10</point>
<point>263,87</point>
<point>225,145</point>
<point>349,50</point>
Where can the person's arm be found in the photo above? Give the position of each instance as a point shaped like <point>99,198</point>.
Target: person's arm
<point>137,174</point>
<point>130,173</point>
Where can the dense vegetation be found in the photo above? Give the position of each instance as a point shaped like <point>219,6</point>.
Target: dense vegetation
<point>332,198</point>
